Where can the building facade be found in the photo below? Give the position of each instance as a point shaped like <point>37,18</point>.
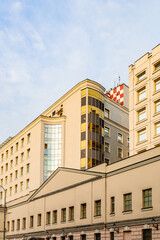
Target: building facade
<point>111,209</point>
<point>70,133</point>
<point>144,102</point>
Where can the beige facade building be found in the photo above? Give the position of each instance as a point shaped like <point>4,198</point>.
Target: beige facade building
<point>94,204</point>
<point>144,108</point>
<point>70,133</point>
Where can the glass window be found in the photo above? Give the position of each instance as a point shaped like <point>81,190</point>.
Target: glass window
<point>157,66</point>
<point>141,94</point>
<point>6,154</point>
<point>157,106</point>
<point>98,208</point>
<point>31,221</point>
<point>141,76</point>
<point>83,237</point>
<point>22,142</point>
<point>157,85</point>
<point>157,128</point>
<point>48,217</point>
<point>97,236</point>
<point>127,202</point>
<point>11,150</point>
<point>27,167</point>
<point>12,225</point>
<point>120,138</point>
<point>71,213</point>
<point>17,146</point>
<point>142,135</point>
<point>24,223</point>
<point>107,113</point>
<point>15,189</point>
<point>39,219</point>
<point>120,153</point>
<point>28,137</point>
<point>63,214</point>
<point>55,216</point>
<point>147,234</point>
<point>147,198</point>
<point>18,224</point>
<point>112,204</point>
<point>107,148</point>
<point>21,186</point>
<point>28,153</point>
<point>27,183</point>
<point>2,157</point>
<point>22,157</point>
<point>111,235</point>
<point>83,210</point>
<point>16,174</point>
<point>106,132</point>
<point>142,114</point>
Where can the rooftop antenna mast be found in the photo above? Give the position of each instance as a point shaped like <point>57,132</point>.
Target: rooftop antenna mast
<point>119,79</point>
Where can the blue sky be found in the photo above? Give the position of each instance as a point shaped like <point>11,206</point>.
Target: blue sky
<point>46,47</point>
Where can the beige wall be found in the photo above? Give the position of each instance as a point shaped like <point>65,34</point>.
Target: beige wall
<point>145,63</point>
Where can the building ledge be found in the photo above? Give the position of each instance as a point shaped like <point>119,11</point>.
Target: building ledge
<point>127,212</point>
<point>146,209</point>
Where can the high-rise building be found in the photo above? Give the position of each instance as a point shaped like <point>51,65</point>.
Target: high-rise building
<point>144,102</point>
<point>84,128</point>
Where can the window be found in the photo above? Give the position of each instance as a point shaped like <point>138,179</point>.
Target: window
<point>24,223</point>
<point>6,180</point>
<point>83,237</point>
<point>128,142</point>
<point>106,132</point>
<point>71,237</point>
<point>18,224</point>
<point>6,154</point>
<point>11,164</point>
<point>97,236</point>
<point>106,160</point>
<point>111,235</point>
<point>63,238</point>
<point>112,205</point>
<point>141,76</point>
<point>15,188</point>
<point>2,157</point>
<point>119,138</point>
<point>21,171</point>
<point>16,174</point>
<point>147,234</point>
<point>107,113</point>
<point>28,137</point>
<point>39,219</point>
<point>27,183</point>
<point>120,153</point>
<point>31,221</point>
<point>55,216</point>
<point>83,210</point>
<point>21,186</point>
<point>142,114</point>
<point>6,166</point>
<point>157,66</point>
<point>2,182</point>
<point>11,177</point>
<point>17,146</point>
<point>28,168</point>
<point>106,147</point>
<point>147,198</point>
<point>127,202</point>
<point>16,163</point>
<point>11,150</point>
<point>22,142</point>
<point>28,153</point>
<point>2,170</point>
<point>142,135</point>
<point>71,213</point>
<point>22,157</point>
<point>12,225</point>
<point>157,128</point>
<point>98,208</point>
<point>63,214</point>
<point>157,106</point>
<point>141,94</point>
<point>48,217</point>
<point>157,85</point>
<point>10,191</point>
<point>8,226</point>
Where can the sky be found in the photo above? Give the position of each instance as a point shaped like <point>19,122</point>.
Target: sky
<point>47,47</point>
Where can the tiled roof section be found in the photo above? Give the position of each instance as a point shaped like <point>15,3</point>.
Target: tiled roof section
<point>6,141</point>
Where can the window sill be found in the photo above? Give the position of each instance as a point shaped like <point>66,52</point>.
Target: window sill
<point>97,216</point>
<point>139,81</point>
<point>141,101</point>
<point>141,142</point>
<point>39,225</point>
<point>155,114</point>
<point>146,209</point>
<point>71,220</point>
<point>47,224</point>
<point>137,123</point>
<point>155,92</point>
<point>54,223</point>
<point>63,221</point>
<point>127,212</point>
<point>156,136</point>
<point>155,71</point>
<point>112,214</point>
<point>83,218</point>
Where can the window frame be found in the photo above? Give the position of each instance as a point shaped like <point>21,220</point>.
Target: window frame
<point>97,208</point>
<point>140,133</point>
<point>127,201</point>
<point>112,201</point>
<point>140,92</point>
<point>147,196</point>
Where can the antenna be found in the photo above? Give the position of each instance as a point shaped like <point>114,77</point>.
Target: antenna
<point>119,79</point>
